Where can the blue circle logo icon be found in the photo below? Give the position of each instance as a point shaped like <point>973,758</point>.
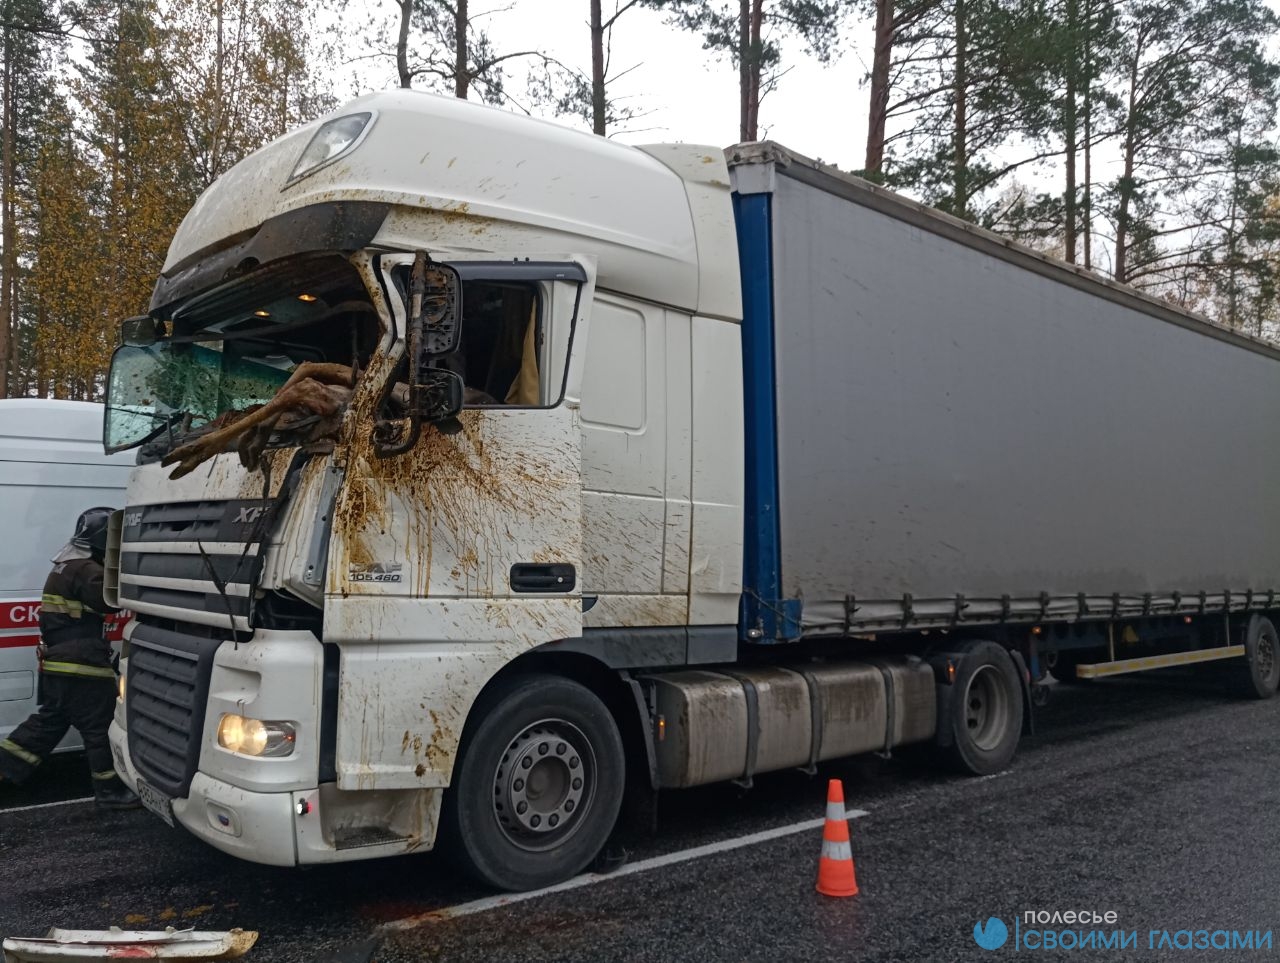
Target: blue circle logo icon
<point>992,936</point>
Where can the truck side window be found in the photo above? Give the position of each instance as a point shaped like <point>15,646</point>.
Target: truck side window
<point>498,355</point>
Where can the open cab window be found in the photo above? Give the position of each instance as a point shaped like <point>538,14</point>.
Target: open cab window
<point>515,329</point>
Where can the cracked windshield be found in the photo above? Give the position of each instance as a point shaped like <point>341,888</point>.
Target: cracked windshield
<point>232,350</point>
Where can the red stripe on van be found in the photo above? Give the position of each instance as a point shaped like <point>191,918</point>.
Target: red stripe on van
<point>22,614</point>
<point>18,641</point>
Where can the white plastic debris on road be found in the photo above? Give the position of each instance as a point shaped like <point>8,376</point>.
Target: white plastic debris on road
<point>117,944</point>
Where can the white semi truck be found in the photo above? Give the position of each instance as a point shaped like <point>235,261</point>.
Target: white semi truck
<point>662,466</point>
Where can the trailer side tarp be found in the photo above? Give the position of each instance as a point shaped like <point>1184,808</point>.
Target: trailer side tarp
<point>965,431</point>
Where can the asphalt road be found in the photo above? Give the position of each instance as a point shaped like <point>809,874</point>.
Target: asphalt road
<point>1155,798</point>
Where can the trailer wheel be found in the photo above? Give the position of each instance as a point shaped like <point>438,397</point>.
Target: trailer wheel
<point>985,711</point>
<point>536,791</point>
<point>1262,653</point>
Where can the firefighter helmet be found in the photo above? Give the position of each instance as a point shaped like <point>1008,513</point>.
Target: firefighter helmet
<point>91,530</point>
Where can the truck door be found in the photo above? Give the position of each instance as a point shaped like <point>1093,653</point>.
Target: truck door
<point>448,561</point>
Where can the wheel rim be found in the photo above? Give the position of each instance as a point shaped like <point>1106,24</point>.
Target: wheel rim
<point>544,785</point>
<point>986,713</point>
<point>1264,657</point>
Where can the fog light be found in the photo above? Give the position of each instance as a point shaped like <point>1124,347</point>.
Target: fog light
<point>120,685</point>
<point>253,737</point>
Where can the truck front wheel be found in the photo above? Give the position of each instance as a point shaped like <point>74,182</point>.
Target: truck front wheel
<point>537,788</point>
<point>984,712</point>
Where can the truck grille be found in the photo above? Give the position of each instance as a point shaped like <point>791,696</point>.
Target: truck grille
<point>168,685</point>
<point>194,561</point>
<point>187,571</point>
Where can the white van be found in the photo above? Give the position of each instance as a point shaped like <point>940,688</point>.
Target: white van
<point>51,469</point>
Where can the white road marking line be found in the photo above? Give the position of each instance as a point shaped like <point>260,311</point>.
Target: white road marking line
<point>590,879</point>
<point>65,802</point>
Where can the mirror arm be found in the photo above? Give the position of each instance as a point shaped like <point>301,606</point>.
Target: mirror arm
<point>411,434</point>
<point>434,395</point>
<point>417,290</point>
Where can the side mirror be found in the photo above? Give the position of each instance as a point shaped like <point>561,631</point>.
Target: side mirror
<point>439,396</point>
<point>435,400</point>
<point>140,332</point>
<point>435,395</point>
<point>435,309</point>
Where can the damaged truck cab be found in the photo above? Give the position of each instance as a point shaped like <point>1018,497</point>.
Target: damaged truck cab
<point>322,612</point>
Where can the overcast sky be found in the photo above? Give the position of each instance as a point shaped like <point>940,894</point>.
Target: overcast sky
<point>817,110</point>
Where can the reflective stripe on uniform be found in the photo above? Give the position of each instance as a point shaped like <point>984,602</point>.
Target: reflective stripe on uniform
<point>104,775</point>
<point>75,668</point>
<point>9,746</point>
<point>58,605</point>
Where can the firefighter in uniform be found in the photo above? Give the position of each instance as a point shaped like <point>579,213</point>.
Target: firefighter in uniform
<point>78,683</point>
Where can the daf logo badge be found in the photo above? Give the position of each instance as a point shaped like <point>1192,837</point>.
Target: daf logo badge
<point>374,572</point>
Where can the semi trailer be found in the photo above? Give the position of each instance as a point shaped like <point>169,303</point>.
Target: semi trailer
<point>518,469</point>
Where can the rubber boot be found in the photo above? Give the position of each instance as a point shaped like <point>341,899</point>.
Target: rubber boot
<point>113,794</point>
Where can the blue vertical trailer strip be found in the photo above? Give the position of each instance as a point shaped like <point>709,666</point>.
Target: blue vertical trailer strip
<point>764,616</point>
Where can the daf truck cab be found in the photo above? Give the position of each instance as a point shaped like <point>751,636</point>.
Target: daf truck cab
<point>317,637</point>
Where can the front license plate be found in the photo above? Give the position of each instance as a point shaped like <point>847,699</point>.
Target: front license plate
<point>156,801</point>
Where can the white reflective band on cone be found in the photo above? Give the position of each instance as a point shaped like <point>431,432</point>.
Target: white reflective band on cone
<point>832,850</point>
<point>835,810</point>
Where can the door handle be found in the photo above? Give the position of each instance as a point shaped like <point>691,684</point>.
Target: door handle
<point>556,577</point>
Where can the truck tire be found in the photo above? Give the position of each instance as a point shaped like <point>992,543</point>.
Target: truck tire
<point>537,786</point>
<point>1262,655</point>
<point>984,712</point>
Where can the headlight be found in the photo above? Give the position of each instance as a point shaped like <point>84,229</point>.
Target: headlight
<point>120,685</point>
<point>253,737</point>
<point>334,138</point>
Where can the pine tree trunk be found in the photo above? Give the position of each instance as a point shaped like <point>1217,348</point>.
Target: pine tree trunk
<point>1086,206</point>
<point>961,134</point>
<point>1069,135</point>
<point>8,232</point>
<point>462,75</point>
<point>1233,245</point>
<point>597,69</point>
<point>219,100</point>
<point>757,46</point>
<point>1126,178</point>
<point>402,44</point>
<point>878,111</point>
<point>744,66</point>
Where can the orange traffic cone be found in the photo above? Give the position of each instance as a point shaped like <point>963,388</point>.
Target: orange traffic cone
<point>835,866</point>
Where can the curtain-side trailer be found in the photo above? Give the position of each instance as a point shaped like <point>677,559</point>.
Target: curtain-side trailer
<point>586,468</point>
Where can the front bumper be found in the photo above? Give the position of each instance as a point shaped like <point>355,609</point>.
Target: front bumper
<point>293,828</point>
<point>257,826</point>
